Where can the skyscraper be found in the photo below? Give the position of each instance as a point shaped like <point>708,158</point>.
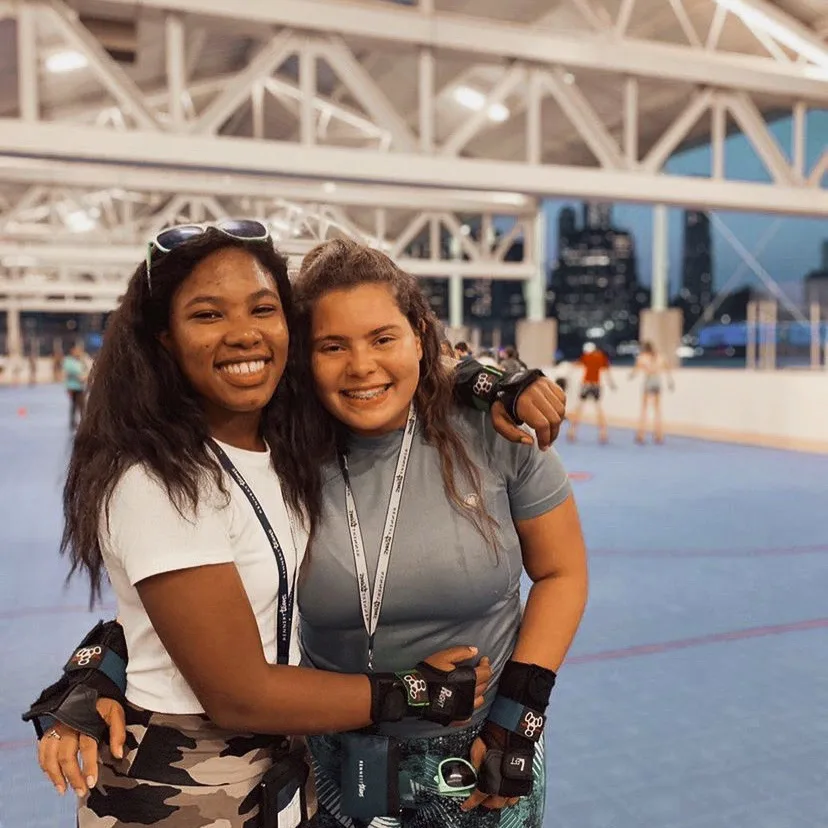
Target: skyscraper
<point>816,282</point>
<point>696,291</point>
<point>594,291</point>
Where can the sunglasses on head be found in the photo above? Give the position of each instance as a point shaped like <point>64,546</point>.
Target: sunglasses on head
<point>171,237</point>
<point>455,777</point>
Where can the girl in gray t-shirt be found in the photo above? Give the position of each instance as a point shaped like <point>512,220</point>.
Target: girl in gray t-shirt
<point>428,523</point>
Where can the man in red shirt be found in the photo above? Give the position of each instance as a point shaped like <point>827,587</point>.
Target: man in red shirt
<point>594,363</point>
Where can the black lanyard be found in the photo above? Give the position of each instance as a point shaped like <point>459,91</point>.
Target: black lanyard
<point>284,608</point>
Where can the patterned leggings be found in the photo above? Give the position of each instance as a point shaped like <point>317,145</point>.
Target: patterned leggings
<point>420,759</point>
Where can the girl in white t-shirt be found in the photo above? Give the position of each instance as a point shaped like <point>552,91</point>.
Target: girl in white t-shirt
<point>188,485</point>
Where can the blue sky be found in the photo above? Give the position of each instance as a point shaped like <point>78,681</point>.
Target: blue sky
<point>794,250</point>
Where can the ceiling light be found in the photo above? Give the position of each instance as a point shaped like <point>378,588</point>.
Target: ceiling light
<point>79,221</point>
<point>498,112</point>
<point>756,18</point>
<point>470,98</point>
<point>568,78</point>
<point>475,100</point>
<point>65,61</point>
<point>329,187</point>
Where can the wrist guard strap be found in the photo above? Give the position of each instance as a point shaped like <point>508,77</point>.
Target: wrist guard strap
<point>475,385</point>
<point>515,723</point>
<point>96,669</point>
<point>423,693</point>
<point>512,386</point>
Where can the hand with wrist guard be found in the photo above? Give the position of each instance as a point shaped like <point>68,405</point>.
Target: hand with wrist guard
<point>74,714</point>
<point>96,669</point>
<point>504,753</point>
<point>513,399</point>
<point>438,689</point>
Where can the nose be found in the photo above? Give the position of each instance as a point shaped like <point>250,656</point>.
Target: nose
<point>361,362</point>
<point>243,335</point>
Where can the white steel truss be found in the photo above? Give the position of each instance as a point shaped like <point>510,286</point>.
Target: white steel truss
<point>72,244</point>
<point>307,130</point>
<point>183,126</point>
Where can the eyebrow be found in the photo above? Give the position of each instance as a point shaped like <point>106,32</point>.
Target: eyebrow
<point>254,297</point>
<point>374,332</point>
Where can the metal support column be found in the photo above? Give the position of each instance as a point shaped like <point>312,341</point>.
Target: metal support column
<point>815,330</point>
<point>751,334</point>
<point>14,342</point>
<point>455,298</point>
<point>660,280</point>
<point>535,288</point>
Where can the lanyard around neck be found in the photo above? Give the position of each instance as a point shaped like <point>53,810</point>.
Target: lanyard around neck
<point>371,605</point>
<point>284,609</point>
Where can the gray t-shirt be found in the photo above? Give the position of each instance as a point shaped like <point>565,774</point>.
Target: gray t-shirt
<point>445,585</point>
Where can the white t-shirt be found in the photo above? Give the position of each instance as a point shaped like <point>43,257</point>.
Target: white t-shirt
<point>148,536</point>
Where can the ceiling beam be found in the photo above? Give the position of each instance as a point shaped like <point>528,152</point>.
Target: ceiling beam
<point>142,179</point>
<point>233,155</point>
<point>501,41</point>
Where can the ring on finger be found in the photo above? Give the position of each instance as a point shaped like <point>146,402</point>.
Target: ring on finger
<point>53,734</point>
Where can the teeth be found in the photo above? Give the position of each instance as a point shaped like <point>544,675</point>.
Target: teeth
<point>365,395</point>
<point>242,368</point>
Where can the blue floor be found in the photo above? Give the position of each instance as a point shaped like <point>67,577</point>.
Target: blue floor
<point>697,691</point>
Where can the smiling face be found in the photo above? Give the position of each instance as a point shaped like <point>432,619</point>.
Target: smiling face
<point>229,337</point>
<point>365,358</point>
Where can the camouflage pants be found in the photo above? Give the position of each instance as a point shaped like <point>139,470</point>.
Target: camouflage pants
<point>181,772</point>
<point>420,759</point>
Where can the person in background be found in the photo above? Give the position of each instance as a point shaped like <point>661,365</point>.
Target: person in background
<point>511,361</point>
<point>33,367</point>
<point>595,364</point>
<point>463,352</point>
<point>488,358</point>
<point>74,375</point>
<point>650,363</point>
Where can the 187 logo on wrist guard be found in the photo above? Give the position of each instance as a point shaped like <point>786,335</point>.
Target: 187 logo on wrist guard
<point>482,385</point>
<point>416,688</point>
<point>86,657</point>
<point>531,725</point>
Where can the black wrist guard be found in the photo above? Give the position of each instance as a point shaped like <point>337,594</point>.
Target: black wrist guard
<point>96,669</point>
<point>519,712</point>
<point>512,386</point>
<point>423,693</point>
<point>475,385</point>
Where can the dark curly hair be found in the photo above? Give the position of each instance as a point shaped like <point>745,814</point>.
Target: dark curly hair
<point>141,409</point>
<point>342,264</point>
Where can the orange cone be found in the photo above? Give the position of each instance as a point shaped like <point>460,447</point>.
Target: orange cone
<point>22,412</point>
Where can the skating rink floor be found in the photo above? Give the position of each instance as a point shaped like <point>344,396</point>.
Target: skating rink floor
<point>696,694</point>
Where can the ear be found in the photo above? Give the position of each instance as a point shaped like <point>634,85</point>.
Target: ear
<point>420,332</point>
<point>165,340</point>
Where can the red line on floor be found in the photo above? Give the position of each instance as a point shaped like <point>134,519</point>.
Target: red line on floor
<point>711,553</point>
<point>634,652</point>
<point>698,641</point>
<point>17,744</point>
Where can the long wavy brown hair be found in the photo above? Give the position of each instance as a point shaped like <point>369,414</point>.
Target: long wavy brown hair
<point>141,409</point>
<point>342,264</point>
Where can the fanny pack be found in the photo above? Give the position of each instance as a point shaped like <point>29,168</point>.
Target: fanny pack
<point>287,798</point>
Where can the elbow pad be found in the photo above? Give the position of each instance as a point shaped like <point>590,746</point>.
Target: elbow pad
<point>96,669</point>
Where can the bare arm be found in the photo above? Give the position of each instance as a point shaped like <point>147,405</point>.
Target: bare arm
<point>554,557</point>
<point>204,619</point>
